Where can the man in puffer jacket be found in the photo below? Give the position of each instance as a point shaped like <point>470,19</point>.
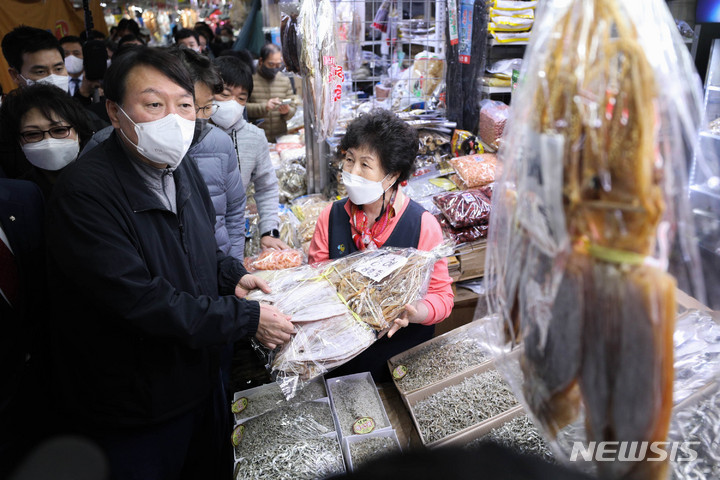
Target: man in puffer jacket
<point>215,155</point>
<point>250,145</point>
<point>269,91</point>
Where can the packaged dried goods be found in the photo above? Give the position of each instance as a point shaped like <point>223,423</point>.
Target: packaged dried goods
<point>493,116</point>
<point>587,214</point>
<point>258,400</point>
<point>464,208</point>
<point>358,408</point>
<point>307,209</point>
<point>462,235</point>
<point>274,260</point>
<point>289,36</point>
<point>476,170</point>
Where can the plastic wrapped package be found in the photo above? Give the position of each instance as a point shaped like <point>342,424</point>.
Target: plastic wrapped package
<point>591,203</point>
<point>291,181</point>
<point>258,400</point>
<point>290,139</point>
<point>427,186</point>
<point>465,143</point>
<point>697,353</point>
<point>274,260</point>
<point>462,235</point>
<point>283,424</point>
<point>304,459</point>
<point>432,141</point>
<point>281,147</point>
<point>307,209</point>
<point>476,170</point>
<point>292,155</point>
<point>493,116</point>
<point>465,208</point>
<point>289,35</point>
<point>288,228</point>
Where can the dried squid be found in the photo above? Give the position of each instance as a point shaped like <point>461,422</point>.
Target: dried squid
<point>578,257</point>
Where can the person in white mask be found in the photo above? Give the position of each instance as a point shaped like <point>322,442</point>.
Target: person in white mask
<point>250,144</point>
<point>146,298</point>
<point>50,128</point>
<point>34,56</point>
<point>72,47</point>
<point>379,151</point>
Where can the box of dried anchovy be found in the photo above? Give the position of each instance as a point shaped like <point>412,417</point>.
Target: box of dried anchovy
<point>258,400</point>
<point>283,425</point>
<point>303,459</point>
<point>357,405</point>
<point>463,407</point>
<point>361,449</point>
<point>451,353</point>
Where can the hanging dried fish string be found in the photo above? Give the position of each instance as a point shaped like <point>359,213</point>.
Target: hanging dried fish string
<point>301,460</point>
<point>439,360</point>
<point>468,403</point>
<point>356,398</point>
<point>270,396</point>
<point>519,434</point>
<point>289,423</point>
<point>372,448</point>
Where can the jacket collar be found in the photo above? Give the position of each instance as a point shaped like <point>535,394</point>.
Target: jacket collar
<point>139,196</point>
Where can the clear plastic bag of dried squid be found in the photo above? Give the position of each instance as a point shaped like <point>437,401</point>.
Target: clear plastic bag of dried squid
<point>591,233</point>
<point>338,307</point>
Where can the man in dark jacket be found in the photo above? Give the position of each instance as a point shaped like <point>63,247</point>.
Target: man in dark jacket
<point>144,299</point>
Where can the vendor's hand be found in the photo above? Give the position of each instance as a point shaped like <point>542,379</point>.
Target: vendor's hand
<point>272,104</point>
<point>250,282</point>
<point>415,312</point>
<point>284,109</point>
<point>274,327</point>
<point>271,242</point>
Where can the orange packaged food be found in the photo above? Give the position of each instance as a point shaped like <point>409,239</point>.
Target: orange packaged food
<point>274,260</point>
<point>476,170</point>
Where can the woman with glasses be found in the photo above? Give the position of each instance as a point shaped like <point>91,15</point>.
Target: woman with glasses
<point>50,127</point>
<point>272,99</point>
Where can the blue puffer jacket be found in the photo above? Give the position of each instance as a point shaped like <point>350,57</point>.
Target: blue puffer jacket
<point>214,153</point>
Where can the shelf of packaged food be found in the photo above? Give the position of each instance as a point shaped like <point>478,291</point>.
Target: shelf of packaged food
<point>496,90</point>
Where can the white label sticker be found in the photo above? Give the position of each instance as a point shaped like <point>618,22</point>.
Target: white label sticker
<point>380,267</point>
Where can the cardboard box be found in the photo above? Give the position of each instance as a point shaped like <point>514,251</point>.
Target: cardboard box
<point>268,388</point>
<point>472,259</point>
<point>467,434</point>
<point>347,441</point>
<point>457,332</point>
<point>381,424</point>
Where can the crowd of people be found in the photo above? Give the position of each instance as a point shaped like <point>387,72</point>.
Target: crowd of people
<point>122,233</point>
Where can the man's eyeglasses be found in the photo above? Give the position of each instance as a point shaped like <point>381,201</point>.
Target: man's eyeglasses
<point>208,110</point>
<point>34,136</point>
<point>274,65</point>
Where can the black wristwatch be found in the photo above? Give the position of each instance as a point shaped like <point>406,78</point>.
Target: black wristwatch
<point>273,233</point>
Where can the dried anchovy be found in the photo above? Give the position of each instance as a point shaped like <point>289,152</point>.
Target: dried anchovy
<point>468,403</point>
<point>519,434</point>
<point>437,361</point>
<point>285,424</point>
<point>371,448</point>
<point>355,398</point>
<point>270,396</point>
<point>304,459</point>
<point>699,423</point>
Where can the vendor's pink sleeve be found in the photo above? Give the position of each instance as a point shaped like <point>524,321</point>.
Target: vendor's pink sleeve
<point>319,250</point>
<point>439,298</point>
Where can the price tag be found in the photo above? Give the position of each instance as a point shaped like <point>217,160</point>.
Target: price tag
<point>239,405</point>
<point>363,425</point>
<point>237,435</point>
<point>399,372</point>
<point>380,267</point>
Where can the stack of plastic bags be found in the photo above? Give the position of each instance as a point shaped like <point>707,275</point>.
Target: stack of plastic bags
<point>511,21</point>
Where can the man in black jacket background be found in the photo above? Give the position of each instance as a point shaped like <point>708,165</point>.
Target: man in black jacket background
<point>144,299</point>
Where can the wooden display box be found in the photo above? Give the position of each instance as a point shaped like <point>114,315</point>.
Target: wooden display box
<point>470,433</point>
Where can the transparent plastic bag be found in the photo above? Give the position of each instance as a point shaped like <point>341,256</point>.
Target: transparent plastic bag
<point>258,400</point>
<point>275,260</point>
<point>591,203</point>
<point>476,170</point>
<point>465,208</point>
<point>307,209</point>
<point>462,235</point>
<point>291,180</point>
<point>493,117</point>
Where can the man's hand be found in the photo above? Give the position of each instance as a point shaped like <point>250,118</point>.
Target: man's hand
<point>250,282</point>
<point>273,104</point>
<point>269,241</point>
<point>284,109</point>
<point>415,312</point>
<point>274,328</point>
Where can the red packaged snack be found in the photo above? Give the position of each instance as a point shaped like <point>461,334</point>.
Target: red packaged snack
<point>462,235</point>
<point>493,116</point>
<point>274,260</point>
<point>464,209</point>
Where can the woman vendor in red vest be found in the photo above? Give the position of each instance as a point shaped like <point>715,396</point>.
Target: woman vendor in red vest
<point>379,153</point>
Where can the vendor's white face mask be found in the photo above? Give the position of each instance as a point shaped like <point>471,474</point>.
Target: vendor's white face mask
<point>361,190</point>
<point>228,113</point>
<point>164,141</point>
<point>52,154</point>
<point>73,64</point>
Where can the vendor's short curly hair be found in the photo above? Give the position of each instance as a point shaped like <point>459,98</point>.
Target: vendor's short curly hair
<point>394,141</point>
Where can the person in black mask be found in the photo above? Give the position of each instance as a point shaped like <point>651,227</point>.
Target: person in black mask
<point>272,99</point>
